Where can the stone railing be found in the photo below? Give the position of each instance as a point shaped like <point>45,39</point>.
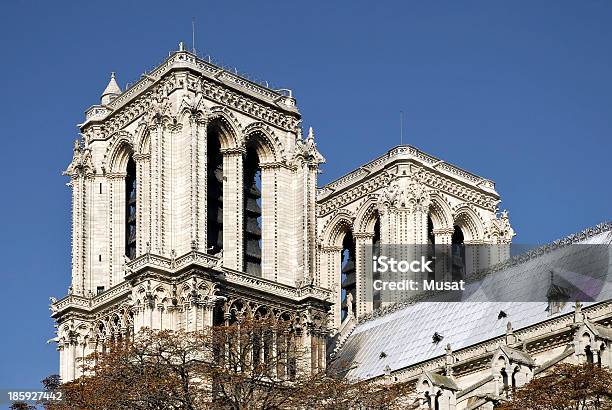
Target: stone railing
<point>174,265</point>
<point>186,59</point>
<point>268,286</point>
<point>89,303</point>
<point>96,112</point>
<point>149,260</point>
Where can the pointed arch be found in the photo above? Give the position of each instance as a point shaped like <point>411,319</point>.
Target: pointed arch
<point>269,148</point>
<point>470,222</point>
<point>119,152</point>
<point>142,140</point>
<point>367,215</point>
<point>335,229</point>
<point>440,212</point>
<point>228,125</point>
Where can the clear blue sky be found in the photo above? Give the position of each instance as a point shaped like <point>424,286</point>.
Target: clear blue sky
<point>518,92</point>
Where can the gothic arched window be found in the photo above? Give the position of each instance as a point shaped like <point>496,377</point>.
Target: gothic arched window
<point>431,247</point>
<point>589,354</point>
<point>458,254</point>
<point>252,212</point>
<point>214,188</point>
<point>437,401</point>
<point>376,298</point>
<point>504,376</point>
<point>130,209</point>
<point>348,276</point>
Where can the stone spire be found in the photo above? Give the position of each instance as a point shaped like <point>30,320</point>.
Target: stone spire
<point>449,360</point>
<point>310,134</point>
<point>111,91</point>
<point>510,336</point>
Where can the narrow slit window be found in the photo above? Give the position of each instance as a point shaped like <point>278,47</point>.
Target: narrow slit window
<point>348,279</point>
<point>130,212</point>
<point>214,198</point>
<point>252,213</point>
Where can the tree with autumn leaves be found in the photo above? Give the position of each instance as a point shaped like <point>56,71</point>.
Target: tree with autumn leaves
<point>256,365</point>
<point>247,365</point>
<point>565,387</point>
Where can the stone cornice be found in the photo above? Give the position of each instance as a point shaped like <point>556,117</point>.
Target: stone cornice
<point>171,268</point>
<point>380,179</point>
<point>407,153</point>
<point>478,356</point>
<point>519,259</point>
<point>218,85</point>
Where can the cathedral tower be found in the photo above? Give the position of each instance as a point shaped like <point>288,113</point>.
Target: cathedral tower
<point>193,201</point>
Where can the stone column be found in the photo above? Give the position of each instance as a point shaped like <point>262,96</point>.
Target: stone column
<point>363,304</point>
<point>311,220</point>
<point>476,258</point>
<point>78,222</point>
<point>331,258</point>
<point>283,216</point>
<point>157,166</point>
<point>443,239</point>
<point>200,182</point>
<point>207,310</point>
<point>270,218</point>
<point>116,226</point>
<point>143,202</point>
<point>233,209</point>
<point>322,352</point>
<point>62,360</point>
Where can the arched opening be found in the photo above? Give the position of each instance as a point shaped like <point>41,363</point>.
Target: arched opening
<point>431,247</point>
<point>376,298</point>
<point>252,212</point>
<point>599,355</point>
<point>428,399</point>
<point>589,354</point>
<point>130,209</point>
<point>504,376</point>
<point>348,276</point>
<point>458,254</point>
<point>437,401</point>
<point>214,188</point>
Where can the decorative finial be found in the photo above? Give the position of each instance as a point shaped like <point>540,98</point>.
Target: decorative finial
<point>449,360</point>
<point>111,91</point>
<point>310,134</point>
<point>511,338</point>
<point>181,46</point>
<point>578,315</point>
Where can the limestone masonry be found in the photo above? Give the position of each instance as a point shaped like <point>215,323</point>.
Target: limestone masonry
<point>195,202</point>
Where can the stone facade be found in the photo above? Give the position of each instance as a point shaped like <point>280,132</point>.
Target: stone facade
<point>148,250</point>
<point>158,130</point>
<point>473,353</point>
<point>401,190</point>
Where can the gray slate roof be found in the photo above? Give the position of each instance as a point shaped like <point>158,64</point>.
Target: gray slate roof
<point>404,332</point>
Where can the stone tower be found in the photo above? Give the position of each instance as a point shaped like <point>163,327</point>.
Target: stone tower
<point>193,202</point>
<point>405,197</point>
